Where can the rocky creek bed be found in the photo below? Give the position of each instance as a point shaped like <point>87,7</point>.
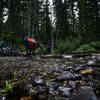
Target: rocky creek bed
<point>36,78</point>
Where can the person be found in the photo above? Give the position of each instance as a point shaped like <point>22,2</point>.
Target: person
<point>27,43</point>
<point>1,44</point>
<point>1,47</point>
<point>49,45</point>
<point>31,44</point>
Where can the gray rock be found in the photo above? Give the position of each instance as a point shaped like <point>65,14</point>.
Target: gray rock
<point>41,89</point>
<point>68,68</point>
<point>78,76</point>
<point>65,75</point>
<point>3,98</point>
<point>83,88</point>
<point>63,98</point>
<point>65,91</point>
<point>91,63</point>
<point>85,95</point>
<point>53,87</point>
<point>27,85</point>
<point>72,84</point>
<point>33,91</point>
<point>67,56</point>
<point>39,81</point>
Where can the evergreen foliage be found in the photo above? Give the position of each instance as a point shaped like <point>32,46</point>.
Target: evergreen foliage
<point>78,19</point>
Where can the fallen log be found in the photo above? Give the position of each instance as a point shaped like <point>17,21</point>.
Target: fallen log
<point>51,56</point>
<point>81,53</point>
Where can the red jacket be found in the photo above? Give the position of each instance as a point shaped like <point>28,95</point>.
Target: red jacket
<point>33,43</point>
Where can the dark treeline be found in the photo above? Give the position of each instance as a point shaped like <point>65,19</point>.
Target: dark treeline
<point>72,24</point>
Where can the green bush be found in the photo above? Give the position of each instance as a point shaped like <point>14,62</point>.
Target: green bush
<point>95,45</point>
<point>86,47</point>
<point>66,46</point>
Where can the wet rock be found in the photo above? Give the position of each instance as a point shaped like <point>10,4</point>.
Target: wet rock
<point>65,75</point>
<point>27,85</point>
<point>96,64</point>
<point>91,63</point>
<point>64,98</point>
<point>3,98</point>
<point>87,71</point>
<point>78,76</point>
<point>85,95</point>
<point>68,68</point>
<point>97,87</point>
<point>65,91</point>
<point>98,58</point>
<point>41,89</point>
<point>85,88</point>
<point>81,83</point>
<point>72,84</point>
<point>39,81</point>
<point>96,73</point>
<point>39,92</point>
<point>53,87</point>
<point>33,91</point>
<point>77,69</point>
<point>67,56</point>
<point>42,92</point>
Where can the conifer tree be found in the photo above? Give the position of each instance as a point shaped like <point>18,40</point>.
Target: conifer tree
<point>88,19</point>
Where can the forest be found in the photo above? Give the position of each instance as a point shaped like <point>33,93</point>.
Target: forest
<point>49,49</point>
<point>70,25</point>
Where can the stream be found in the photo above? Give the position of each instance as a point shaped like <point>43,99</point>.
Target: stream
<point>49,78</point>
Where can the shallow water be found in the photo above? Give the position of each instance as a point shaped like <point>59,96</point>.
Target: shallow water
<point>42,78</point>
